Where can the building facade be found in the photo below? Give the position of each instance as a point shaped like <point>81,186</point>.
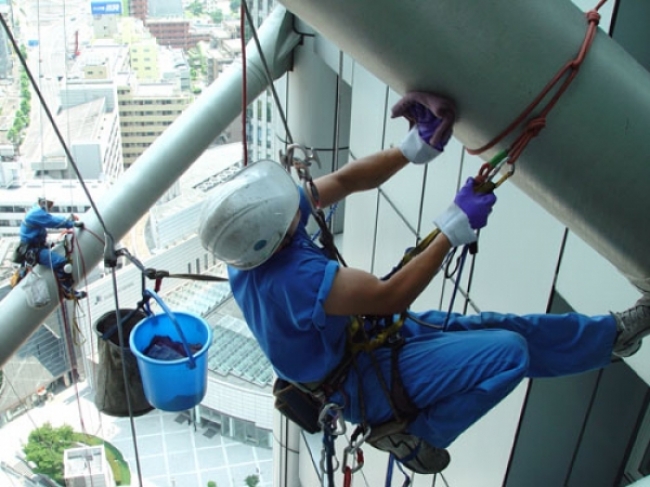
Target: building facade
<point>146,110</point>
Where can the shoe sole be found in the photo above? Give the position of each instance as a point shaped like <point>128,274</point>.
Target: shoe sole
<point>400,446</point>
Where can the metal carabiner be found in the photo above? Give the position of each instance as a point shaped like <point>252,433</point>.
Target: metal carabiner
<point>497,168</point>
<point>354,449</point>
<point>323,461</point>
<point>506,176</point>
<point>332,423</point>
<point>300,165</point>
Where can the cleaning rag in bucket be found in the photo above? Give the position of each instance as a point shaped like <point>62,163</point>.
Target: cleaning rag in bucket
<point>163,347</point>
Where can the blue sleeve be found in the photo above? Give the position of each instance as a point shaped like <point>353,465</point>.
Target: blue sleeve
<point>319,316</point>
<point>46,220</point>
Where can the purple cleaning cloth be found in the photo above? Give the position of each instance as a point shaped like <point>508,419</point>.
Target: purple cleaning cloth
<point>163,347</point>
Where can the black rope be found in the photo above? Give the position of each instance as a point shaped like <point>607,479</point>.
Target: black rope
<point>267,71</point>
<point>125,377</point>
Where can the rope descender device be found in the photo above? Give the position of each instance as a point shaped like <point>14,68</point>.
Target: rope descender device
<point>302,166</point>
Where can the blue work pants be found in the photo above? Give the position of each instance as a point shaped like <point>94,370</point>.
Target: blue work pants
<point>456,375</point>
<point>48,258</point>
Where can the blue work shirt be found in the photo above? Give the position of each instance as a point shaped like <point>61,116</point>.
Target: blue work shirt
<point>282,302</point>
<point>33,229</point>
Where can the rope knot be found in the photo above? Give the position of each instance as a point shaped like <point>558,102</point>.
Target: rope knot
<point>535,126</point>
<point>593,17</point>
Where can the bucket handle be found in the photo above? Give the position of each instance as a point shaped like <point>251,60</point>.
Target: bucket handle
<point>186,347</point>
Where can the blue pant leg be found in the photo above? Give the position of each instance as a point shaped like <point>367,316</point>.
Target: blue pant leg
<point>558,344</point>
<point>52,260</point>
<point>453,378</point>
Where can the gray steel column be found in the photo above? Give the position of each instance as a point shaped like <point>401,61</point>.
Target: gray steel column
<point>318,107</point>
<point>589,166</point>
<point>160,165</point>
<point>286,452</point>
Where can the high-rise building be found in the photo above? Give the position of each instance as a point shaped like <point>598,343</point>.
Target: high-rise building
<point>260,113</point>
<point>138,9</point>
<point>146,110</point>
<point>6,61</point>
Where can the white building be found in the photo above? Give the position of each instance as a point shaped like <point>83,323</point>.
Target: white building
<point>87,467</point>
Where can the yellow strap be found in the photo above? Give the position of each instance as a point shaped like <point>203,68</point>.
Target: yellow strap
<point>375,342</point>
<point>422,244</point>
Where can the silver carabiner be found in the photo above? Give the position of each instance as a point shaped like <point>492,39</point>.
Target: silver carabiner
<point>323,459</point>
<point>354,450</point>
<point>497,168</point>
<point>300,165</point>
<point>325,419</point>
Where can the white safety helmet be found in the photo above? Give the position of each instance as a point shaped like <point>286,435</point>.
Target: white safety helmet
<point>44,203</point>
<point>245,219</point>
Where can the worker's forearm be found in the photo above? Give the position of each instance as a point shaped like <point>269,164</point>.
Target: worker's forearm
<point>356,292</point>
<point>365,173</point>
<point>372,171</point>
<point>409,282</point>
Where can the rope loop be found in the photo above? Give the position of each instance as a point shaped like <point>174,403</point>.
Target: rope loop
<point>567,73</point>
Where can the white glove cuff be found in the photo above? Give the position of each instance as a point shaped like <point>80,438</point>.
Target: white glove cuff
<point>417,150</point>
<point>454,223</point>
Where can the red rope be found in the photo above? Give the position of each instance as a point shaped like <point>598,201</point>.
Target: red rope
<point>244,100</point>
<point>535,125</point>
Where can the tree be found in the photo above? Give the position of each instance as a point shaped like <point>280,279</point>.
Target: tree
<point>235,4</point>
<point>12,135</point>
<point>216,16</point>
<point>45,447</point>
<point>212,483</point>
<point>252,480</point>
<point>195,8</point>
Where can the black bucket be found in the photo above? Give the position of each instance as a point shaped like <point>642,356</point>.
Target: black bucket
<point>110,392</point>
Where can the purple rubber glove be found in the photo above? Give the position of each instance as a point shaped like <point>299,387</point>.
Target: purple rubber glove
<point>427,124</point>
<point>431,119</point>
<point>468,213</point>
<point>477,206</point>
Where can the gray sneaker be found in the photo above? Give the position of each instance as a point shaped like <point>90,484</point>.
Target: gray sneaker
<point>632,324</point>
<point>414,453</point>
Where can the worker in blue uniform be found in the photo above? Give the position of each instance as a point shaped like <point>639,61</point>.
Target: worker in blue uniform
<point>298,302</point>
<point>35,246</point>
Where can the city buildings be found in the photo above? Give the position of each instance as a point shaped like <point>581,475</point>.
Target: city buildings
<point>586,430</point>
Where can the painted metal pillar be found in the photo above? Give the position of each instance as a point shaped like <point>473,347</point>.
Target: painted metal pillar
<point>159,167</point>
<point>588,167</point>
<point>317,103</point>
<point>286,452</point>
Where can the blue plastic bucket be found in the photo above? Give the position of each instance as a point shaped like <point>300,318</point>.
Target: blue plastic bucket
<point>173,385</point>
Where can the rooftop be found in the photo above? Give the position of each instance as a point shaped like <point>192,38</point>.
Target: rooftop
<point>84,461</point>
